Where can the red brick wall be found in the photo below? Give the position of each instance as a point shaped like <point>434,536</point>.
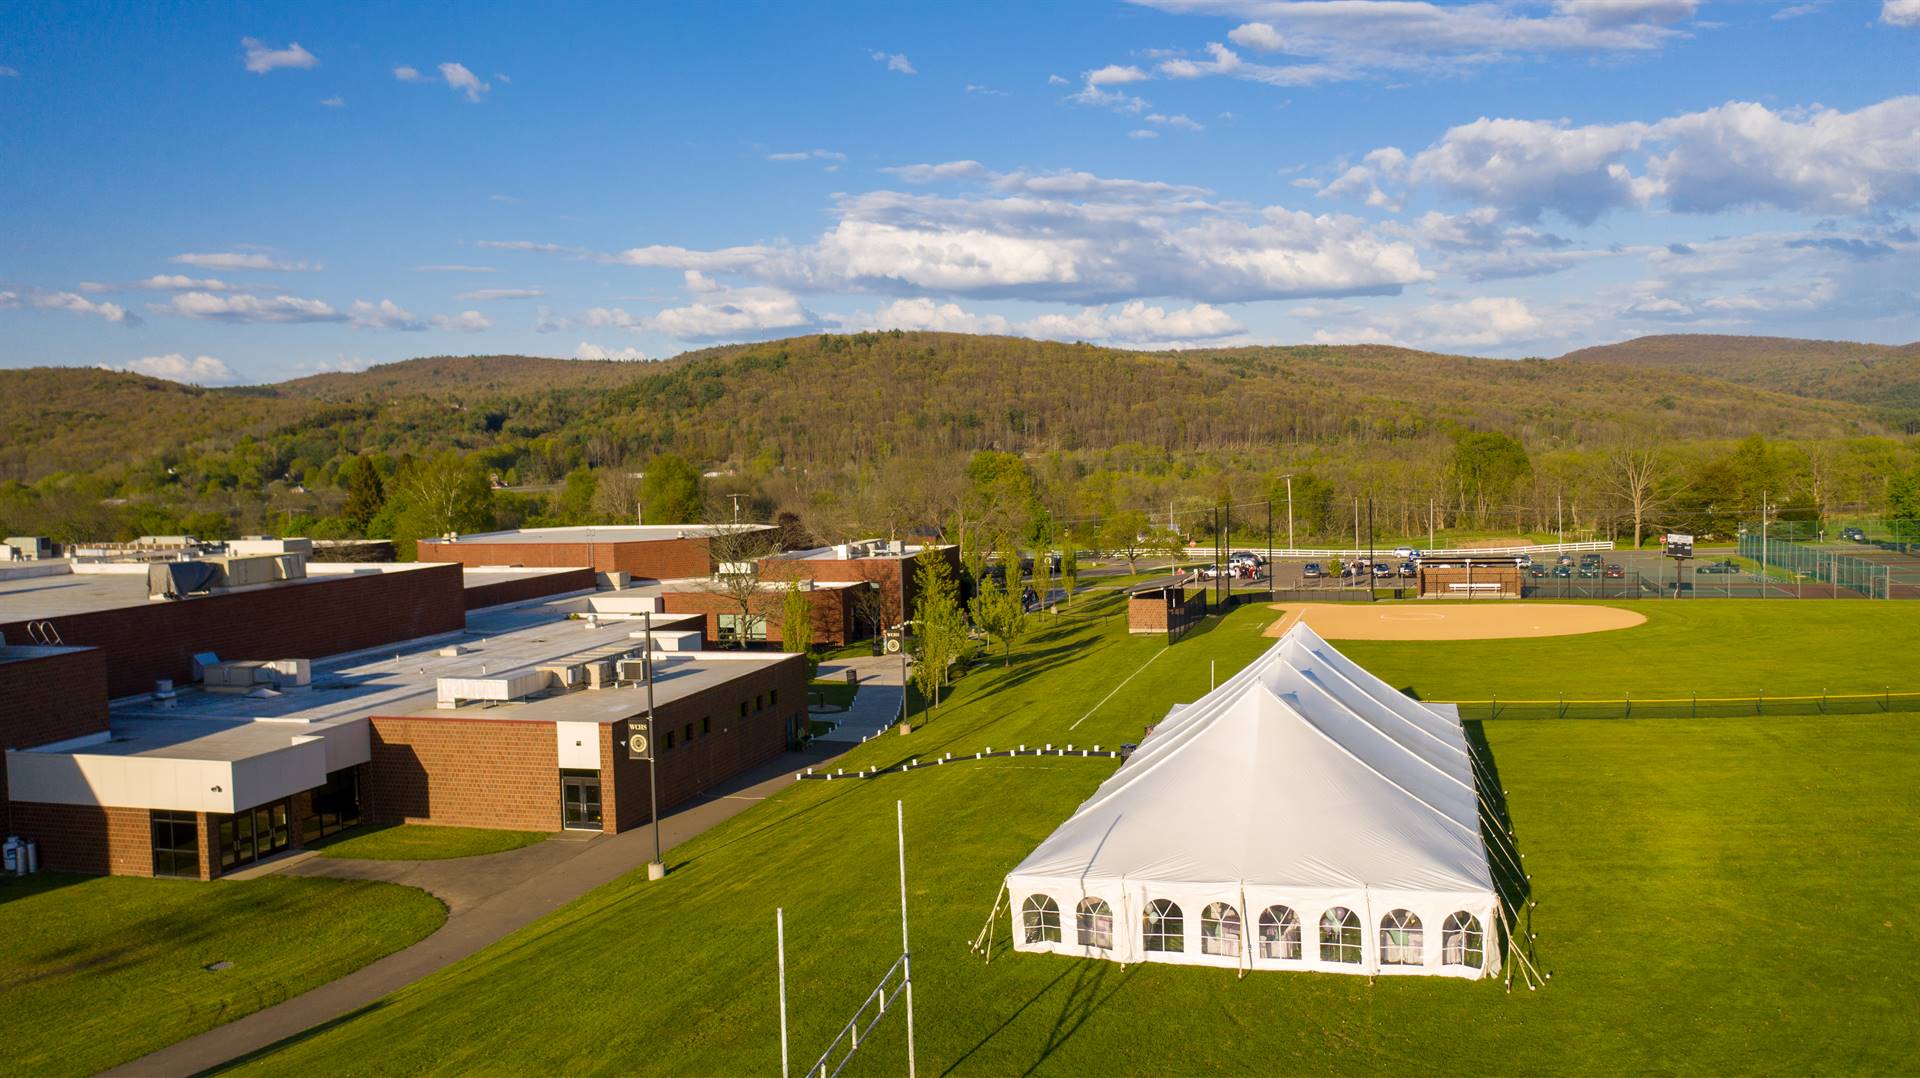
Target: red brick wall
<point>892,574</point>
<point>463,772</point>
<point>84,838</point>
<point>832,608</point>
<point>657,559</point>
<point>49,698</point>
<point>325,616</point>
<point>731,746</point>
<point>515,591</point>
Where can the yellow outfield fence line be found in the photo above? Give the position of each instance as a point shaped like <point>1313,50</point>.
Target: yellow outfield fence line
<point>1691,706</point>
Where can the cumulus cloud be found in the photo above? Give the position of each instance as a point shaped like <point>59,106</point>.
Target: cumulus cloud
<point>240,260</point>
<point>1115,75</point>
<point>164,282</point>
<point>79,304</point>
<point>385,314</point>
<point>547,320</point>
<point>262,58</point>
<point>1481,245</point>
<point>407,74</point>
<point>176,367</point>
<point>1136,322</point>
<point>1904,13</point>
<point>595,351</point>
<point>1257,35</point>
<point>481,294</point>
<point>1068,236</point>
<point>1179,120</point>
<point>334,102</point>
<point>464,322</point>
<point>245,308</point>
<point>895,61</point>
<point>927,314</point>
<point>1741,154</point>
<point>724,313</point>
<point>1484,322</point>
<point>463,81</point>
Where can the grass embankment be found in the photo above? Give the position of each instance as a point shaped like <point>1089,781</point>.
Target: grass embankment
<point>98,971</point>
<point>426,842</point>
<point>1716,896</point>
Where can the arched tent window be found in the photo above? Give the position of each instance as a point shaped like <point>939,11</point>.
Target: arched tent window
<point>1164,928</point>
<point>1279,933</point>
<point>1220,930</point>
<point>1041,917</point>
<point>1096,923</point>
<point>1340,936</point>
<point>1402,943</point>
<point>1461,941</point>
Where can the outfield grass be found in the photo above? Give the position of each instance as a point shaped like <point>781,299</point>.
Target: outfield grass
<point>1718,647</point>
<point>98,971</point>
<point>1715,897</point>
<point>425,842</point>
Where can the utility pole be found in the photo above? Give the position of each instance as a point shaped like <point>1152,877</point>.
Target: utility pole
<point>656,868</point>
<point>1370,573</point>
<point>1560,514</point>
<point>1290,545</point>
<point>1269,549</point>
<point>736,507</point>
<point>1430,543</point>
<point>905,685</point>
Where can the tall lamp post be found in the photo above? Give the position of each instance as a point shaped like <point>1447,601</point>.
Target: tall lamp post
<point>656,868</point>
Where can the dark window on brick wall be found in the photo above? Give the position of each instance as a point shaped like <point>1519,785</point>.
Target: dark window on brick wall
<point>706,726</point>
<point>670,738</point>
<point>773,697</point>
<point>176,844</point>
<point>759,703</point>
<point>743,709</point>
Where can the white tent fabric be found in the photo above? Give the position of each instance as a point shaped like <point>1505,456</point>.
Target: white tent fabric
<point>1303,790</point>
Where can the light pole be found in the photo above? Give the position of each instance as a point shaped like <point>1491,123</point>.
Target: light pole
<point>903,644</point>
<point>1289,478</point>
<point>656,868</point>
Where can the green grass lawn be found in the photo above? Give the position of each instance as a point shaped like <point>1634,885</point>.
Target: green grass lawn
<point>98,971</point>
<point>425,842</point>
<point>1725,647</point>
<point>1716,896</point>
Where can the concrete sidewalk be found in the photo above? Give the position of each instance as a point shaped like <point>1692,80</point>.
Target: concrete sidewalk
<point>487,898</point>
<point>875,706</point>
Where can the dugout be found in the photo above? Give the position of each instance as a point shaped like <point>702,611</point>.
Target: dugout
<point>1469,576</point>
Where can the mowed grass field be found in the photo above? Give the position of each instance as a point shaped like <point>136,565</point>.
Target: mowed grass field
<point>95,971</point>
<point>424,842</point>
<point>1715,896</point>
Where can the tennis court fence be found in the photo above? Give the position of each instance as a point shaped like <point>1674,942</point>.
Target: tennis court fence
<point>1692,706</point>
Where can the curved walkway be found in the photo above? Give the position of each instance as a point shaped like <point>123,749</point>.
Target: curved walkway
<point>487,897</point>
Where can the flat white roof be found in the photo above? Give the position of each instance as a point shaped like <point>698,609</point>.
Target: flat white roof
<point>865,548</point>
<point>600,533</point>
<point>67,593</point>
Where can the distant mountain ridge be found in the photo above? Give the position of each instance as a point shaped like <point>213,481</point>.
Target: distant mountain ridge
<point>1884,377</point>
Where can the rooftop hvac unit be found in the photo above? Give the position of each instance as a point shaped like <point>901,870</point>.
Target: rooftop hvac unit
<point>179,579</point>
<point>632,669</point>
<point>600,674</point>
<point>451,692</point>
<point>568,676</point>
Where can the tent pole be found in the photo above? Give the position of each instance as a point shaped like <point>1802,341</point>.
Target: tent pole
<point>985,938</point>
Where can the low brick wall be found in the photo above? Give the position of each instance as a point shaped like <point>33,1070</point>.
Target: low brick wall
<point>481,595</point>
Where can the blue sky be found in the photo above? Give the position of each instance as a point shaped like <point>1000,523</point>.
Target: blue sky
<point>248,193</point>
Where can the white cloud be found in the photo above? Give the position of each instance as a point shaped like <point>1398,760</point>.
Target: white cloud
<point>946,170</point>
<point>1480,245</point>
<point>1257,35</point>
<point>464,322</point>
<point>529,245</point>
<point>1484,322</point>
<point>245,308</point>
<point>9,300</point>
<point>1115,75</point>
<point>464,81</point>
<point>808,155</point>
<point>926,314</point>
<point>8,72</point>
<point>595,351</point>
<point>334,102</point>
<point>407,74</point>
<point>78,304</point>
<point>261,58</point>
<point>163,282</point>
<point>240,260</point>
<point>480,294</point>
<point>1136,322</point>
<point>986,91</point>
<point>1067,236</point>
<point>1900,13</point>
<point>385,314</point>
<point>1055,80</point>
<point>731,313</point>
<point>612,317</point>
<point>455,267</point>
<point>175,367</point>
<point>1741,154</point>
<point>1179,120</point>
<point>547,320</point>
<point>895,61</point>
<point>1142,133</point>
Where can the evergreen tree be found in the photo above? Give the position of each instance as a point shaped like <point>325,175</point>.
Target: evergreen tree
<point>365,493</point>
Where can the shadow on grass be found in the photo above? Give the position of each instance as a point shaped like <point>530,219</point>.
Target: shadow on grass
<point>289,1041</point>
<point>1083,980</point>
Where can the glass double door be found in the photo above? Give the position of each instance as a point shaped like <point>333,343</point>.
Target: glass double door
<point>246,837</point>
<point>580,800</point>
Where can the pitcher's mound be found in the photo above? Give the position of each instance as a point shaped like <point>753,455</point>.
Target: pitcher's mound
<point>1484,621</point>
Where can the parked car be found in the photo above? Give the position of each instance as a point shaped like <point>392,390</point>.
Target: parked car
<point>1590,559</point>
<point>1616,572</point>
<point>1722,567</point>
<point>1403,552</point>
<point>1853,534</point>
<point>1563,570</point>
<point>1382,569</point>
<point>1524,561</point>
<point>1312,571</point>
<point>1348,572</point>
<point>1536,570</point>
<point>1564,559</point>
<point>1406,569</point>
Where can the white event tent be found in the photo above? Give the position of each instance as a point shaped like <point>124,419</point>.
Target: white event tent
<point>1303,794</point>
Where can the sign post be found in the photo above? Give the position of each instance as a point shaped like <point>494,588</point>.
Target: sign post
<point>1679,548</point>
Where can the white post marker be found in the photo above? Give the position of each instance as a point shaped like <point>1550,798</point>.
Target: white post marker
<point>780,938</point>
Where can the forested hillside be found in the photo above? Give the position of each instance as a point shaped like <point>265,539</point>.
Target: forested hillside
<point>875,431</point>
<point>1883,377</point>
